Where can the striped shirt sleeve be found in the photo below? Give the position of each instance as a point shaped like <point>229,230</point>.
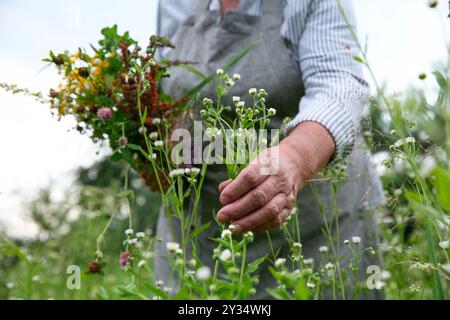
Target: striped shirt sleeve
<point>335,91</point>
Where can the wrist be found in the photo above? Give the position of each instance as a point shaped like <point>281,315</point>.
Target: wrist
<point>311,147</point>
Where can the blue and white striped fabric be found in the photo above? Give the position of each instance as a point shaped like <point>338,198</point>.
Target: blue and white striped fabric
<point>323,49</point>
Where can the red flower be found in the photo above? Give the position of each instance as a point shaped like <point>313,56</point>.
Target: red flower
<point>124,259</point>
<point>94,267</point>
<point>104,113</point>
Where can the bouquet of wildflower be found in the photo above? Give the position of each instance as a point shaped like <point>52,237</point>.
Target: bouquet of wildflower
<point>115,95</point>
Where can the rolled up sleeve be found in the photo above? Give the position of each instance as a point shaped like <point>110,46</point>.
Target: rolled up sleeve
<point>335,90</point>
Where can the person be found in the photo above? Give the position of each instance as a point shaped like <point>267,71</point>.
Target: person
<point>305,61</point>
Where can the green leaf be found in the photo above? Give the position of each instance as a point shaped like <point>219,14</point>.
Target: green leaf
<point>254,265</point>
<point>279,294</point>
<point>440,79</point>
<point>358,59</point>
<point>134,147</point>
<point>125,194</point>
<point>193,92</point>
<point>199,230</point>
<point>442,183</point>
<point>128,291</point>
<point>241,54</point>
<point>301,292</point>
<point>193,70</point>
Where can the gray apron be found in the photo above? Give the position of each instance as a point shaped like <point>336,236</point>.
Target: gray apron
<point>212,42</point>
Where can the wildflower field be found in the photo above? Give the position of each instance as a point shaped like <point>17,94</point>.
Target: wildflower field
<point>100,242</point>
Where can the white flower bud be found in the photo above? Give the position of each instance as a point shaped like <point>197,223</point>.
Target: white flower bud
<point>141,263</point>
<point>444,244</point>
<point>356,240</point>
<point>323,249</point>
<point>203,273</point>
<point>156,121</point>
<point>225,255</point>
<point>280,262</point>
<point>252,91</point>
<point>226,234</point>
<point>140,235</point>
<point>172,247</point>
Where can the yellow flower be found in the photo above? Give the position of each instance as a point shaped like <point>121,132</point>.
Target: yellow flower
<point>97,72</point>
<point>105,64</point>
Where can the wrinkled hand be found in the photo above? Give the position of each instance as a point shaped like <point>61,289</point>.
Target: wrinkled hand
<point>258,201</point>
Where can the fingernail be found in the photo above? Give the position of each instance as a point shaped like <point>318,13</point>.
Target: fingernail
<point>221,217</point>
<point>223,199</point>
<point>235,228</point>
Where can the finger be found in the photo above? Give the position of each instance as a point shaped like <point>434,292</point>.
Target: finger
<point>269,212</point>
<point>251,201</point>
<point>248,179</point>
<point>224,184</point>
<point>274,223</point>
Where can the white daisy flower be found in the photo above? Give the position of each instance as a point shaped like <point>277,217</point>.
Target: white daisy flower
<point>142,130</point>
<point>252,91</point>
<point>236,99</point>
<point>219,72</point>
<point>129,232</point>
<point>156,121</point>
<point>272,112</point>
<point>153,135</point>
<point>158,143</point>
<point>236,77</point>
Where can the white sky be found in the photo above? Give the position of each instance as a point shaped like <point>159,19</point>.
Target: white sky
<point>405,38</point>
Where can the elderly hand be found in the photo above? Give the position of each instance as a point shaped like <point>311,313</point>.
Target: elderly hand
<point>257,202</point>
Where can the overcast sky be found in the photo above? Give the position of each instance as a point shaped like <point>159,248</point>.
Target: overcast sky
<point>405,38</point>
